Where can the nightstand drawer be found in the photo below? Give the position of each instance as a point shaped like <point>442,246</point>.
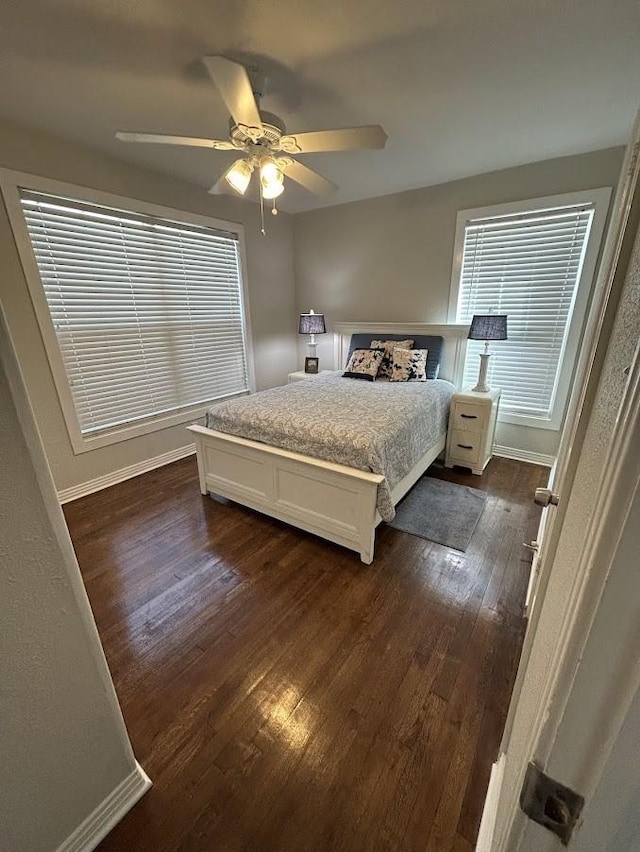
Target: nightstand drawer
<point>465,445</point>
<point>469,417</point>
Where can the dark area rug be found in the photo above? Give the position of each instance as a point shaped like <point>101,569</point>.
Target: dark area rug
<point>440,511</point>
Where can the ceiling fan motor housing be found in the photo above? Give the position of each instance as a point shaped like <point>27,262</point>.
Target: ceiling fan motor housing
<point>273,126</point>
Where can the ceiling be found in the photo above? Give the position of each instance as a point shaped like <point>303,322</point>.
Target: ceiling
<point>461,87</point>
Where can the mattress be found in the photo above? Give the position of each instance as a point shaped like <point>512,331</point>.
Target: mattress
<point>383,427</point>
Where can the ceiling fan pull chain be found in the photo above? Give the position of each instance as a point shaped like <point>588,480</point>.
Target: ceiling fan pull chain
<point>262,228</point>
<point>274,209</point>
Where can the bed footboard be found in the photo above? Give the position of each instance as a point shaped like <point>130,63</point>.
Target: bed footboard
<point>330,500</point>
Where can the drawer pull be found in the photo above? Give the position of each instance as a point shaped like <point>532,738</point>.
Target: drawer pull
<point>465,446</point>
<point>469,416</point>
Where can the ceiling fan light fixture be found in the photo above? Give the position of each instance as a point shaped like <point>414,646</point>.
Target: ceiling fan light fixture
<point>269,170</point>
<point>273,188</point>
<point>271,178</point>
<point>238,175</point>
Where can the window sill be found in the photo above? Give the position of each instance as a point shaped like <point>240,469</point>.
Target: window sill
<point>86,443</point>
<point>549,423</point>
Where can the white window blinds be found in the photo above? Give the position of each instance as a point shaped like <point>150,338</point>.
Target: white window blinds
<point>527,266</point>
<point>148,312</point>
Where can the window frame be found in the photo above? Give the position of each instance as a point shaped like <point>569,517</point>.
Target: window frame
<point>10,184</point>
<point>600,198</point>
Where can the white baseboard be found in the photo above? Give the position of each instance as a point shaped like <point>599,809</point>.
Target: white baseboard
<point>486,834</point>
<point>523,455</point>
<point>84,488</point>
<point>108,813</point>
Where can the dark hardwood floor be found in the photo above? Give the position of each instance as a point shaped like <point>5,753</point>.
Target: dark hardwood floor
<point>284,696</point>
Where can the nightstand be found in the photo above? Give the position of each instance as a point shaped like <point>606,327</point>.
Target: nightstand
<point>300,376</point>
<point>472,427</point>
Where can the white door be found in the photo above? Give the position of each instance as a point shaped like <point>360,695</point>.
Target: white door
<point>540,543</point>
<point>595,745</point>
<point>569,528</point>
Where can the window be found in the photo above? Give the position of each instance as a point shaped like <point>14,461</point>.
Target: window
<point>147,312</point>
<point>529,261</point>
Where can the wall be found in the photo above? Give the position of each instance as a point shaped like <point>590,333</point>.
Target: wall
<point>389,258</point>
<point>63,742</point>
<point>270,279</point>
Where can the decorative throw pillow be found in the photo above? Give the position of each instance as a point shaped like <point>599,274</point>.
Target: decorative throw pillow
<point>387,358</point>
<point>364,364</point>
<point>409,365</point>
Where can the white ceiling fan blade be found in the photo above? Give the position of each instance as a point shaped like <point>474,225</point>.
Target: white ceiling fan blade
<point>192,141</point>
<point>347,139</point>
<point>309,179</point>
<point>233,83</point>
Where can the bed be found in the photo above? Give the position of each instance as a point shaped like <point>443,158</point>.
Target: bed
<point>333,456</point>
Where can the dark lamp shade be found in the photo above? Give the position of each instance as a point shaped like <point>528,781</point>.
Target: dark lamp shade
<point>311,324</point>
<point>488,327</point>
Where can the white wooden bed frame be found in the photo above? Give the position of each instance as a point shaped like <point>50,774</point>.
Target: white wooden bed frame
<point>331,500</point>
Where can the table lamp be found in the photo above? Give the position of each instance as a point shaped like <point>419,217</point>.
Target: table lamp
<point>486,327</point>
<point>311,324</point>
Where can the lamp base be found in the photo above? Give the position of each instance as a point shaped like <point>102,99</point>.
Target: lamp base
<point>482,386</point>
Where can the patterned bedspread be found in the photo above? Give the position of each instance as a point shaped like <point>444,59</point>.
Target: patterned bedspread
<point>383,427</point>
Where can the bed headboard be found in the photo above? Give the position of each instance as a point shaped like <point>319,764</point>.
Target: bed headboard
<point>454,342</point>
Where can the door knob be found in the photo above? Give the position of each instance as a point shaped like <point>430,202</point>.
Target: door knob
<point>533,546</point>
<point>545,497</point>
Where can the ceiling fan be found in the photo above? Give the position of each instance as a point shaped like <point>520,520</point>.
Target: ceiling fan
<point>261,137</point>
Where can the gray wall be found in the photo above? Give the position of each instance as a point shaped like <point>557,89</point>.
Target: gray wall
<point>389,258</point>
<point>62,739</point>
<point>270,279</point>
